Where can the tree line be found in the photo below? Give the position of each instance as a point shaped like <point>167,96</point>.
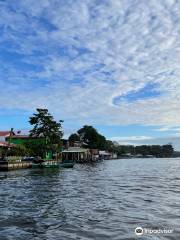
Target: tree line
<point>90,138</point>
<point>147,150</point>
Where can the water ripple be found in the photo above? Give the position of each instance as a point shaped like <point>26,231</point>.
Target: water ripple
<point>107,200</point>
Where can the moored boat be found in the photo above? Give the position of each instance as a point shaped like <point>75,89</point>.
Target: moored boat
<point>46,164</point>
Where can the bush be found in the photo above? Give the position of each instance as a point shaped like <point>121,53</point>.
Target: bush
<point>18,150</point>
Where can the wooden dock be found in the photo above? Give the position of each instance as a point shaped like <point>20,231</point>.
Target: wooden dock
<point>6,166</point>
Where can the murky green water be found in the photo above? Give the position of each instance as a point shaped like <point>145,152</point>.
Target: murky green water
<point>107,200</point>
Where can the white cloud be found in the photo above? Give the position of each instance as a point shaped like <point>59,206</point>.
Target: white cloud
<point>164,129</point>
<point>168,128</point>
<point>90,52</point>
<point>131,138</point>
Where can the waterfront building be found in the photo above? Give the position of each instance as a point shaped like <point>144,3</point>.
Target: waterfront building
<point>105,155</point>
<point>77,154</point>
<point>23,139</point>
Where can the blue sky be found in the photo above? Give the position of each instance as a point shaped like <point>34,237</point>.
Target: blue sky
<point>110,63</point>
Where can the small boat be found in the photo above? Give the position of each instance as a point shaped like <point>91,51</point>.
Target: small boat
<point>46,164</point>
<point>52,164</point>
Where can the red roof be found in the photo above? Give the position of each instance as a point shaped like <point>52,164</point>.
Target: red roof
<point>4,133</point>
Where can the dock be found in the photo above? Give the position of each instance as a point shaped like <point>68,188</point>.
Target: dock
<point>6,166</point>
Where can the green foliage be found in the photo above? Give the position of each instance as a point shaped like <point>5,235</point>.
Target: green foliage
<point>176,154</point>
<point>113,147</point>
<point>110,146</point>
<point>74,138</point>
<point>18,150</point>
<point>145,150</point>
<point>167,150</point>
<point>2,152</point>
<point>45,126</point>
<point>92,138</point>
<point>37,148</point>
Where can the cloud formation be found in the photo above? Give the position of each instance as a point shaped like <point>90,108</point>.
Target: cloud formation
<point>77,57</point>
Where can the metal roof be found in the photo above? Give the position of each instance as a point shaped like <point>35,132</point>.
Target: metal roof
<point>75,150</point>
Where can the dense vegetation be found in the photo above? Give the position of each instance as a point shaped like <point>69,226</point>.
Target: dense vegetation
<point>145,150</point>
<point>90,137</point>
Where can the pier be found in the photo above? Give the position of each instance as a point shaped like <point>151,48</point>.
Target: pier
<point>6,166</point>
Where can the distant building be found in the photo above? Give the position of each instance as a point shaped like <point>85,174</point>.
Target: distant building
<point>114,156</point>
<point>105,155</point>
<point>95,154</point>
<point>5,134</point>
<point>22,139</point>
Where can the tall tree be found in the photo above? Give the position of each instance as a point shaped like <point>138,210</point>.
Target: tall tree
<point>45,126</point>
<point>92,138</point>
<point>73,138</point>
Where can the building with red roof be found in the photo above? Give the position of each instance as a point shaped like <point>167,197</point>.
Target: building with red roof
<point>5,134</point>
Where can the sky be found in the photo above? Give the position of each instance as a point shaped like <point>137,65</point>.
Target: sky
<point>113,64</point>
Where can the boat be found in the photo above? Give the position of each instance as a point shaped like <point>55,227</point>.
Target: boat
<point>43,163</point>
<point>46,164</point>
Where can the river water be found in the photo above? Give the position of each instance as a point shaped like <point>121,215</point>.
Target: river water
<point>106,200</point>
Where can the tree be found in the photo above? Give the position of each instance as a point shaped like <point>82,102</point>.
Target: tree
<point>37,148</point>
<point>156,150</point>
<point>74,138</point>
<point>92,138</point>
<point>110,146</point>
<point>46,127</point>
<point>143,149</point>
<point>18,150</point>
<point>167,150</point>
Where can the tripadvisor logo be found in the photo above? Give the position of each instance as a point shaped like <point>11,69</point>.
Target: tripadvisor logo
<point>139,231</point>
